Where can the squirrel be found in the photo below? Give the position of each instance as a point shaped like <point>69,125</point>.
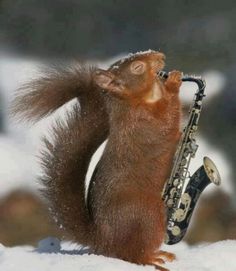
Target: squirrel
<point>139,113</point>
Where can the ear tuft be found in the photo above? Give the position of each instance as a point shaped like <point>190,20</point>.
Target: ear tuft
<point>138,67</point>
<point>103,78</point>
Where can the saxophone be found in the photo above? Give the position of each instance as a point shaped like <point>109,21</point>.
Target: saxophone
<point>181,191</point>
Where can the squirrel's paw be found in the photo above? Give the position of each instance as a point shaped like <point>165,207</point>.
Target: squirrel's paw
<point>160,258</point>
<point>174,80</point>
<point>166,256</point>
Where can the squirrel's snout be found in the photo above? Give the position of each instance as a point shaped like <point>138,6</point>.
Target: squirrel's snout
<point>161,56</point>
<point>158,61</point>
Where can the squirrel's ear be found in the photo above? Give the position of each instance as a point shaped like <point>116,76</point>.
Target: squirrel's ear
<point>103,78</point>
<point>138,67</point>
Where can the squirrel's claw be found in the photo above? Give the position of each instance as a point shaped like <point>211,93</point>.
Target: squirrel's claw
<point>166,256</point>
<point>160,258</point>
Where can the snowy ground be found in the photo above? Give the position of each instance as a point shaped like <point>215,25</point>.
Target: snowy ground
<point>219,256</point>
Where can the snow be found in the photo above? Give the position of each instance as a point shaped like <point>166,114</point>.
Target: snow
<point>92,165</point>
<point>215,83</point>
<point>132,55</point>
<point>70,257</point>
<point>205,257</point>
<point>17,168</point>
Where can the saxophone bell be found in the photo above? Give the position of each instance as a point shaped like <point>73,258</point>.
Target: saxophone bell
<point>180,219</point>
<point>211,171</point>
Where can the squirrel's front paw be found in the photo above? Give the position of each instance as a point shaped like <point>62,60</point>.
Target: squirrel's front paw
<point>174,80</point>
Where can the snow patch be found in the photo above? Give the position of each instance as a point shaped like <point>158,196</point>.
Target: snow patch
<point>208,257</point>
<point>92,165</point>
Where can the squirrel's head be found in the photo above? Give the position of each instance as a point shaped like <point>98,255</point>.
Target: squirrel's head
<point>132,77</point>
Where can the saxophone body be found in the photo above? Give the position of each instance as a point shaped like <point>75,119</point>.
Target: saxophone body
<point>181,191</point>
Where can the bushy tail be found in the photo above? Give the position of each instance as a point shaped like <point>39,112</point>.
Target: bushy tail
<point>66,158</point>
<point>57,86</point>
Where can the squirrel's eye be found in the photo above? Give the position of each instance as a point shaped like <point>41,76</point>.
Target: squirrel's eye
<point>138,67</point>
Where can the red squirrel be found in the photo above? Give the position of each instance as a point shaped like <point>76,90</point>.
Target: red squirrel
<point>140,115</point>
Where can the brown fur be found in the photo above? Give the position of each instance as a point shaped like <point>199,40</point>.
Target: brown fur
<point>127,215</point>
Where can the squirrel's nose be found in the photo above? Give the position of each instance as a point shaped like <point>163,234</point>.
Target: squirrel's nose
<point>161,56</point>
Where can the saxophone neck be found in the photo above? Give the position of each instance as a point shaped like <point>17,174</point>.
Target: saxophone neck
<point>188,78</point>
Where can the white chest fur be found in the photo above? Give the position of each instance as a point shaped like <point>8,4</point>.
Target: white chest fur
<point>155,94</point>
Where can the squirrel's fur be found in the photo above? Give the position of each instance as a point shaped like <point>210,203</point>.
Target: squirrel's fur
<point>140,114</point>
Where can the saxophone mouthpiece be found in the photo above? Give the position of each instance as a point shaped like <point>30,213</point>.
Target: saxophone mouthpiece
<point>163,74</point>
<point>187,78</point>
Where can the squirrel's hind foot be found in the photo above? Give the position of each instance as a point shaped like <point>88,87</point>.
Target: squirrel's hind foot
<point>160,258</point>
<point>165,256</point>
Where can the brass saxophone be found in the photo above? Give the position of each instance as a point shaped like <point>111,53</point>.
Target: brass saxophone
<point>181,191</point>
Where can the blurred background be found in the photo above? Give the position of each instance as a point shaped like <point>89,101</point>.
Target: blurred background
<point>198,37</point>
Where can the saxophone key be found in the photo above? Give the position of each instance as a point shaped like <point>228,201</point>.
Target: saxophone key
<point>179,215</point>
<point>185,199</point>
<point>170,203</point>
<point>192,148</point>
<point>176,182</point>
<point>186,153</point>
<point>175,231</point>
<point>183,162</point>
